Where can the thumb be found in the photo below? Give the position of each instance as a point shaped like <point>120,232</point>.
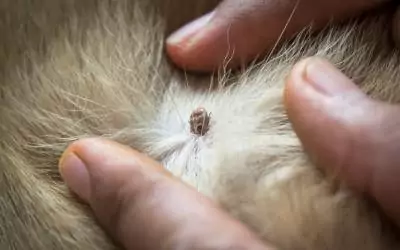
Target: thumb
<point>346,132</point>
<point>144,207</point>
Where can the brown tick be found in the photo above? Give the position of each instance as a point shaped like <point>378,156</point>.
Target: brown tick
<point>199,121</point>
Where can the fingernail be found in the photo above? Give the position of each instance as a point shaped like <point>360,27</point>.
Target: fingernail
<point>187,32</point>
<point>325,78</point>
<point>74,172</point>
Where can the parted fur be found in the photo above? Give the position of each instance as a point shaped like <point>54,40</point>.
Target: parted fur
<point>82,68</point>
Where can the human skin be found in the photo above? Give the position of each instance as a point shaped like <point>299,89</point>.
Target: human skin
<point>122,185</point>
<point>364,137</point>
<point>251,28</point>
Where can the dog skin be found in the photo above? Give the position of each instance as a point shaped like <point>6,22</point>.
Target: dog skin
<point>83,68</point>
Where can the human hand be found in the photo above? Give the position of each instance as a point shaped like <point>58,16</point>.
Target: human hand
<point>346,132</point>
<point>251,28</point>
<point>142,206</point>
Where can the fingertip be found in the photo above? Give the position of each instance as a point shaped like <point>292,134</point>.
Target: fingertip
<point>312,112</point>
<point>213,42</point>
<point>191,47</point>
<point>108,159</point>
<point>300,96</point>
<point>74,172</point>
<point>328,113</point>
<point>87,149</point>
<point>316,85</point>
<point>69,152</point>
<point>98,151</point>
<point>186,35</point>
<point>293,84</point>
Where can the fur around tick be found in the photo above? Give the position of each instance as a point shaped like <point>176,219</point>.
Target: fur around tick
<point>83,68</point>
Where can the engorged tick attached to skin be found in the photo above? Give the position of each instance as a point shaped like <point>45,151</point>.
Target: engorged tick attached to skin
<point>199,121</point>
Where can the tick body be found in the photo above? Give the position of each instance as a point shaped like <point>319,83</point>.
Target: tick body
<point>199,121</point>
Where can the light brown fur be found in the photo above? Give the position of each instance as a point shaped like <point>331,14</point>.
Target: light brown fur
<point>82,68</point>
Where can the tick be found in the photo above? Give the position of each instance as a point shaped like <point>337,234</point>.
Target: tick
<point>199,121</point>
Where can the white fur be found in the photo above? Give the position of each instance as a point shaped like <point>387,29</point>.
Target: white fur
<point>104,74</point>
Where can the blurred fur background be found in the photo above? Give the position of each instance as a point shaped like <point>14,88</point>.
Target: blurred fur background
<point>80,68</point>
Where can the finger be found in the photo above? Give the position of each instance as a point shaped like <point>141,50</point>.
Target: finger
<point>144,207</point>
<point>346,132</point>
<point>250,28</point>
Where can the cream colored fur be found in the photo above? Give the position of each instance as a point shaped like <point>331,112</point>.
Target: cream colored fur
<point>82,68</point>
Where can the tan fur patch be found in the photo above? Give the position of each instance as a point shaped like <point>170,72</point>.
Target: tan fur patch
<point>82,68</point>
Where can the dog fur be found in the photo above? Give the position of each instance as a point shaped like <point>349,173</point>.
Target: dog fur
<point>82,68</point>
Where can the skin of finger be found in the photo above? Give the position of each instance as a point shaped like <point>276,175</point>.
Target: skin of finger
<point>384,139</point>
<point>144,207</point>
<point>251,28</point>
<point>311,116</point>
<point>359,147</point>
